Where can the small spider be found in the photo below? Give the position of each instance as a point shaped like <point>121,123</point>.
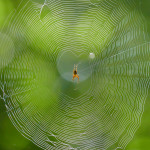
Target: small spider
<point>75,75</point>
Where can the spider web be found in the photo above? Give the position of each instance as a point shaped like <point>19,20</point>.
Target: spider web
<point>39,47</point>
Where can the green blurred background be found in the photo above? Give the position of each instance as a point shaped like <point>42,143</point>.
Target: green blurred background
<point>11,139</point>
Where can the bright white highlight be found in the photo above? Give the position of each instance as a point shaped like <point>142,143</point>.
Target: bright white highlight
<point>92,55</point>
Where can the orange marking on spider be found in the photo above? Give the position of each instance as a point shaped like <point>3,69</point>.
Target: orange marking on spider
<point>75,74</point>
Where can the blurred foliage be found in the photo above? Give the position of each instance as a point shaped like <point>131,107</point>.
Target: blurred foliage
<point>11,139</point>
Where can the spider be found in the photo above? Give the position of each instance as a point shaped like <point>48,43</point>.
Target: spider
<point>75,75</point>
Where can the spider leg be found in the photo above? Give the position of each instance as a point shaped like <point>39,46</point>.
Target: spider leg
<point>76,67</point>
<point>73,77</point>
<point>77,76</point>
